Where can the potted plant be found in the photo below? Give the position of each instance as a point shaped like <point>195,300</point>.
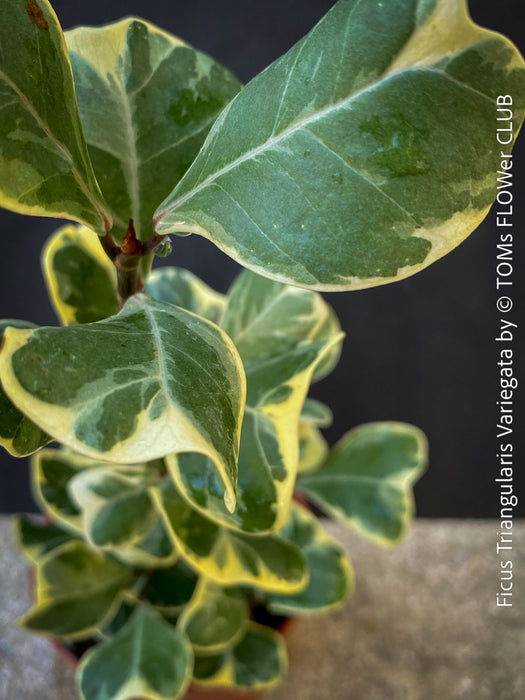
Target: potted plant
<point>172,550</point>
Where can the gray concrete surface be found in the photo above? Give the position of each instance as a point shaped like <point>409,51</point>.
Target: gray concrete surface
<point>422,625</point>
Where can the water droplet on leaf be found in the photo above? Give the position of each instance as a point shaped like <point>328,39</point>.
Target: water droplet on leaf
<point>164,249</point>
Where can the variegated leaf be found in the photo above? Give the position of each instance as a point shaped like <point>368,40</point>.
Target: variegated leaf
<point>175,285</point>
<point>313,448</point>
<point>147,658</point>
<point>362,155</point>
<point>366,482</point>
<point>18,434</point>
<point>115,504</point>
<point>44,163</point>
<point>331,574</point>
<point>317,413</point>
<point>147,101</point>
<point>51,472</point>
<point>154,551</point>
<point>258,662</point>
<point>77,590</point>
<point>226,556</point>
<point>80,278</point>
<point>152,380</point>
<point>280,333</point>
<point>37,537</point>
<point>215,619</point>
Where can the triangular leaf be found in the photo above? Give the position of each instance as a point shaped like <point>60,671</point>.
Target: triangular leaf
<point>78,589</point>
<point>147,101</point>
<point>362,155</point>
<point>228,557</point>
<point>258,662</point>
<point>44,163</point>
<point>180,287</point>
<point>147,658</point>
<point>282,337</point>
<point>331,574</point>
<point>115,504</point>
<point>152,380</point>
<point>37,537</point>
<point>366,482</point>
<point>81,279</point>
<point>215,619</point>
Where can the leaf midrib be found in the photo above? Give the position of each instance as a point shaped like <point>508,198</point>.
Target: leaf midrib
<point>300,126</point>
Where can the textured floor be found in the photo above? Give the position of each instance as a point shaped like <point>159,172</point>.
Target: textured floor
<point>422,625</point>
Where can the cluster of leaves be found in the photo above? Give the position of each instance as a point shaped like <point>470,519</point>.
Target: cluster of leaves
<point>144,557</point>
<point>356,159</point>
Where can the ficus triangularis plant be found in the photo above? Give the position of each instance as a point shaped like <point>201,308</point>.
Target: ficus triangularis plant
<point>358,158</point>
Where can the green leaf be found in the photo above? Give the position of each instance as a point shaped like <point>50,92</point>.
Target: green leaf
<point>37,537</point>
<point>317,413</point>
<point>115,504</point>
<point>228,557</point>
<point>78,590</point>
<point>152,380</point>
<point>180,287</point>
<point>147,102</point>
<point>366,482</point>
<point>313,448</point>
<point>154,551</point>
<point>258,662</point>
<point>147,658</point>
<point>51,472</point>
<point>80,278</point>
<point>265,319</point>
<point>18,435</point>
<point>331,574</point>
<point>280,334</point>
<point>215,619</point>
<point>44,163</point>
<point>362,155</point>
<point>169,590</point>
<point>125,611</point>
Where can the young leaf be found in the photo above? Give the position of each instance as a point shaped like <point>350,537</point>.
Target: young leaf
<point>265,319</point>
<point>147,102</point>
<point>36,537</point>
<point>51,472</point>
<point>316,413</point>
<point>362,155</point>
<point>258,662</point>
<point>152,380</point>
<point>228,557</point>
<point>215,619</point>
<point>80,278</point>
<point>18,435</point>
<point>281,336</point>
<point>78,590</point>
<point>44,163</point>
<point>169,590</point>
<point>154,551</point>
<point>147,658</point>
<point>313,448</point>
<point>115,504</point>
<point>175,285</point>
<point>366,482</point>
<point>331,574</point>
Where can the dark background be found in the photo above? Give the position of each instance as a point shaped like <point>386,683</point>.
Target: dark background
<point>421,350</point>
